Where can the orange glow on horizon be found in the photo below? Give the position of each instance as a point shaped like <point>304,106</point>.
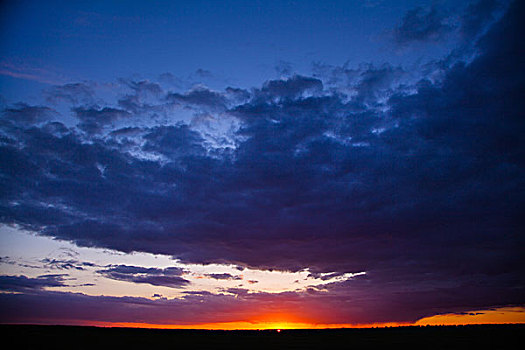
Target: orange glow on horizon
<point>269,321</point>
<point>277,321</point>
<point>246,325</point>
<point>496,316</point>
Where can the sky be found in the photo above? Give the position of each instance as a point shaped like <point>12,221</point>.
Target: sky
<point>262,164</point>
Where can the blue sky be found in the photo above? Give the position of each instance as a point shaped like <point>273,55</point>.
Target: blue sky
<point>334,163</point>
<point>234,43</point>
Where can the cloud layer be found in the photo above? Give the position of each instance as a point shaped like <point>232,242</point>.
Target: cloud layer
<point>168,277</point>
<point>419,185</point>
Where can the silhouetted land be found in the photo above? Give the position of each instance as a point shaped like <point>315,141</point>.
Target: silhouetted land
<point>435,337</point>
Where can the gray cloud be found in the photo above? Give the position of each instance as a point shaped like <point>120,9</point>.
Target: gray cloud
<point>223,276</point>
<point>199,97</point>
<point>27,284</point>
<point>66,264</point>
<point>167,277</point>
<point>291,88</point>
<point>26,114</point>
<point>144,93</point>
<point>75,94</point>
<point>92,120</point>
<point>422,24</point>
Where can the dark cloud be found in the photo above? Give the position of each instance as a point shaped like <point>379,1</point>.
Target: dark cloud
<point>143,94</point>
<point>66,264</point>
<point>143,87</point>
<point>76,93</point>
<point>93,120</point>
<point>374,83</point>
<point>26,114</point>
<point>127,131</point>
<point>12,261</point>
<point>223,276</point>
<point>237,291</point>
<point>167,277</point>
<point>435,23</point>
<point>419,186</point>
<point>325,276</point>
<point>6,260</point>
<point>197,292</point>
<point>199,97</point>
<point>27,284</point>
<point>290,88</point>
<point>237,95</point>
<point>174,141</point>
<point>422,24</point>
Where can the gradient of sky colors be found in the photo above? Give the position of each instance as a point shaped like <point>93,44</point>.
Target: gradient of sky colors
<point>261,164</point>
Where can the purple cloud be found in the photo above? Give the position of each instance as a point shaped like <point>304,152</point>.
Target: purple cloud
<point>167,277</point>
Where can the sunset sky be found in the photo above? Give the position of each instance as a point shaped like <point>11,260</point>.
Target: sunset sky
<point>262,164</point>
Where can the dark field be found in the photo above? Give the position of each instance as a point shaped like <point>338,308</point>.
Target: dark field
<point>442,337</point>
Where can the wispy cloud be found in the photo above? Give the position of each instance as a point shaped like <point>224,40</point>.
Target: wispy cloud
<point>26,72</point>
